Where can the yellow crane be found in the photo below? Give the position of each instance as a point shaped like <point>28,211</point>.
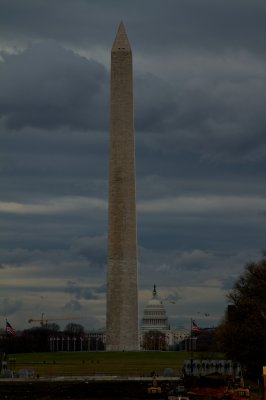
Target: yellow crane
<point>44,321</point>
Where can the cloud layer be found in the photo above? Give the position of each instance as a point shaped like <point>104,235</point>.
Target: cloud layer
<point>199,90</point>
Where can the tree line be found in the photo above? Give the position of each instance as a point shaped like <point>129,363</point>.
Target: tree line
<point>46,338</point>
<point>240,335</point>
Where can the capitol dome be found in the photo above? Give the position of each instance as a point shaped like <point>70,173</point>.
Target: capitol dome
<point>154,315</point>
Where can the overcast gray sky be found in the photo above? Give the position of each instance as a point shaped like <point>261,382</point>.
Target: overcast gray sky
<point>200,95</point>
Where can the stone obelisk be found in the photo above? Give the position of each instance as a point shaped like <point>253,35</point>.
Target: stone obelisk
<point>122,268</point>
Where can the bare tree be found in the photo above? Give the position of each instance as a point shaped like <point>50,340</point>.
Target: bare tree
<point>73,329</point>
<point>242,333</point>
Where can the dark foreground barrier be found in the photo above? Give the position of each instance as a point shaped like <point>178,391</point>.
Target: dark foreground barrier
<point>73,390</point>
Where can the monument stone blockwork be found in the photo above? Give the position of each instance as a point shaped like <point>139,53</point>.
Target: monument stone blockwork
<point>122,270</point>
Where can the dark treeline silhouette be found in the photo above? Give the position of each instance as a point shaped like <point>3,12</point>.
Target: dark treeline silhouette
<point>45,339</point>
<point>241,334</point>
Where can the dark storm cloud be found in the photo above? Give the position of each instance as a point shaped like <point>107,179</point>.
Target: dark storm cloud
<point>35,289</point>
<point>191,267</point>
<point>219,118</point>
<point>155,104</point>
<point>101,289</point>
<point>61,20</point>
<point>199,87</point>
<point>47,86</point>
<point>8,306</point>
<point>53,262</point>
<point>173,297</point>
<point>92,248</point>
<point>81,292</point>
<point>228,282</point>
<point>17,257</point>
<point>190,23</point>
<point>72,305</point>
<point>195,260</point>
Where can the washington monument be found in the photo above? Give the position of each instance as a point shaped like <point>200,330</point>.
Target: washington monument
<point>122,269</point>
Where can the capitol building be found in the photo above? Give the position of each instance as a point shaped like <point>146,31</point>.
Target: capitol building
<point>156,333</point>
<point>154,315</point>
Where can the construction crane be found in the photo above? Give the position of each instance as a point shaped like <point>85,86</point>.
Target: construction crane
<point>44,321</point>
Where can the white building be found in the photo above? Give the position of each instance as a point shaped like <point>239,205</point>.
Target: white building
<point>154,315</point>
<point>155,320</point>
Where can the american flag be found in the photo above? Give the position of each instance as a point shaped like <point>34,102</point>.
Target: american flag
<point>9,330</point>
<point>195,328</point>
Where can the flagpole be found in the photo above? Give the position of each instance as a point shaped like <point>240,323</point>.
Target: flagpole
<point>191,350</point>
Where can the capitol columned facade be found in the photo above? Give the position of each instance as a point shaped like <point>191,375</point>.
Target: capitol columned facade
<point>154,315</point>
<point>156,333</point>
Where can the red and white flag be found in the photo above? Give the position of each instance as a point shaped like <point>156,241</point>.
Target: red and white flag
<point>195,328</point>
<point>10,330</point>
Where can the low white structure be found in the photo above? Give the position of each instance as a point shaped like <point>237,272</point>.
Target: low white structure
<point>26,373</point>
<point>208,367</point>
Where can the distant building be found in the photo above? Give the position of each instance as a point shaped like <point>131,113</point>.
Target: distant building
<point>154,315</point>
<point>155,330</point>
<point>156,333</point>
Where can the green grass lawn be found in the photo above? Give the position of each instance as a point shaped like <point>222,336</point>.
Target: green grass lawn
<point>105,363</point>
